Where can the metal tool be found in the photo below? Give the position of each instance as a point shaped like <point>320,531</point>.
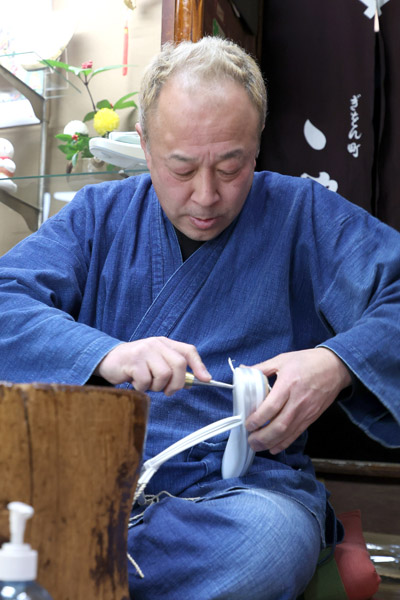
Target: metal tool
<point>191,380</point>
<point>249,390</point>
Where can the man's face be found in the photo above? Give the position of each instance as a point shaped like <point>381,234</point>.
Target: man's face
<point>201,152</point>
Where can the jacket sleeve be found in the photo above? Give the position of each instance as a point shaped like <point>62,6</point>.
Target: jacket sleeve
<point>357,263</point>
<point>42,284</point>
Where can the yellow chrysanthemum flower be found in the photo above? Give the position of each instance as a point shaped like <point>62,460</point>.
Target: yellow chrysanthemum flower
<point>105,120</point>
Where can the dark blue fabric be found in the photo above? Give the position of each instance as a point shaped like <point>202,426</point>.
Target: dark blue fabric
<point>300,267</point>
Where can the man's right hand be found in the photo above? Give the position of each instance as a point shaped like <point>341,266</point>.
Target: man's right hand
<point>155,363</point>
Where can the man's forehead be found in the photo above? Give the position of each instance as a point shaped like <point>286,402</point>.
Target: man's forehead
<point>200,87</point>
<point>186,158</point>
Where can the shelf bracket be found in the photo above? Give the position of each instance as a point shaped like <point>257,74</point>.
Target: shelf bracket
<point>28,212</point>
<point>37,101</point>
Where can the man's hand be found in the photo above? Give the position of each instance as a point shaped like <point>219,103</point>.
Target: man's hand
<point>307,382</point>
<point>156,364</point>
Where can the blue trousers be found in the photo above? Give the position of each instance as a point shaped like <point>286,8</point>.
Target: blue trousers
<point>242,544</point>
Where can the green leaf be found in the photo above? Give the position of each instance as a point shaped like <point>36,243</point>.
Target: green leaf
<point>130,104</point>
<point>89,116</point>
<point>104,104</point>
<point>64,149</point>
<point>86,153</point>
<point>77,70</point>
<point>82,142</point>
<point>56,64</point>
<point>127,96</point>
<point>102,69</point>
<point>74,159</point>
<point>122,102</point>
<point>64,137</point>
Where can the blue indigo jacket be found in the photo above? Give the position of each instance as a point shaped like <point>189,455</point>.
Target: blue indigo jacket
<point>298,268</point>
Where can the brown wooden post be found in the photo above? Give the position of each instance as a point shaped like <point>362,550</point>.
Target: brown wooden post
<point>182,20</point>
<point>188,20</point>
<point>73,453</point>
<point>193,19</point>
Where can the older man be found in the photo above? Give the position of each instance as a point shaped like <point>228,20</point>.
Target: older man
<point>203,260</point>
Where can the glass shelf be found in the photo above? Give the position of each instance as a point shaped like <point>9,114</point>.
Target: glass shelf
<point>18,101</point>
<point>25,89</point>
<point>23,101</point>
<point>13,190</point>
<point>91,176</point>
<point>25,85</point>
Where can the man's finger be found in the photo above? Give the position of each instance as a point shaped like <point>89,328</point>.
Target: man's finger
<point>192,357</point>
<point>268,409</point>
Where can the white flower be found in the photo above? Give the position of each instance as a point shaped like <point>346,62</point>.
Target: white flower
<point>76,127</point>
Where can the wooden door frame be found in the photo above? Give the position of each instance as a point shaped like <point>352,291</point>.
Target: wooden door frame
<point>190,20</point>
<point>182,20</point>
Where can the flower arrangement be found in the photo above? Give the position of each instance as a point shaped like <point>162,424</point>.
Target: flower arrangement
<point>75,136</point>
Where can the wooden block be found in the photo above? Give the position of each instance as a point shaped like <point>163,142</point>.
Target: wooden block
<point>73,453</point>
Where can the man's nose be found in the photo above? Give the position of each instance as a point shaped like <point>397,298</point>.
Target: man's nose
<point>205,190</point>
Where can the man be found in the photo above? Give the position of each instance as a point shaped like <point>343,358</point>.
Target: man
<point>203,260</point>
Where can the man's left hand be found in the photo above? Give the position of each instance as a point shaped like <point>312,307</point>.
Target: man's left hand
<point>307,382</point>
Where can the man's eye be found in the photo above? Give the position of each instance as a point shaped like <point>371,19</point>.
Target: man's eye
<point>187,174</point>
<point>184,174</point>
<point>230,173</point>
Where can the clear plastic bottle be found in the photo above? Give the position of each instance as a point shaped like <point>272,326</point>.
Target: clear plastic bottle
<point>18,562</point>
<point>23,590</point>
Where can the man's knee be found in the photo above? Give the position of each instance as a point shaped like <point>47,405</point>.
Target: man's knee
<point>241,544</point>
<point>277,540</point>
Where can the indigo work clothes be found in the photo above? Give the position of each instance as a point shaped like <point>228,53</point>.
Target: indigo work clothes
<point>299,267</point>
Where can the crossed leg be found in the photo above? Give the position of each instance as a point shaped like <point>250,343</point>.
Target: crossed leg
<point>244,544</point>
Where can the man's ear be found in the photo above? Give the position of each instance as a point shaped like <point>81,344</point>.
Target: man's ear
<point>143,144</point>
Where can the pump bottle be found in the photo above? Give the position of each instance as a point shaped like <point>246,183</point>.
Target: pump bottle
<point>18,562</point>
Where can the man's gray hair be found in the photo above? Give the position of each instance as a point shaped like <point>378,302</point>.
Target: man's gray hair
<point>211,59</point>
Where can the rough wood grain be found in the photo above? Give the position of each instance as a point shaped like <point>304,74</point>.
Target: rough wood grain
<point>73,453</point>
<point>182,20</point>
<point>189,16</point>
<point>193,19</point>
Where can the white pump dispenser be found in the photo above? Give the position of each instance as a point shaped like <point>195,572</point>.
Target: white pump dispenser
<point>18,562</point>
